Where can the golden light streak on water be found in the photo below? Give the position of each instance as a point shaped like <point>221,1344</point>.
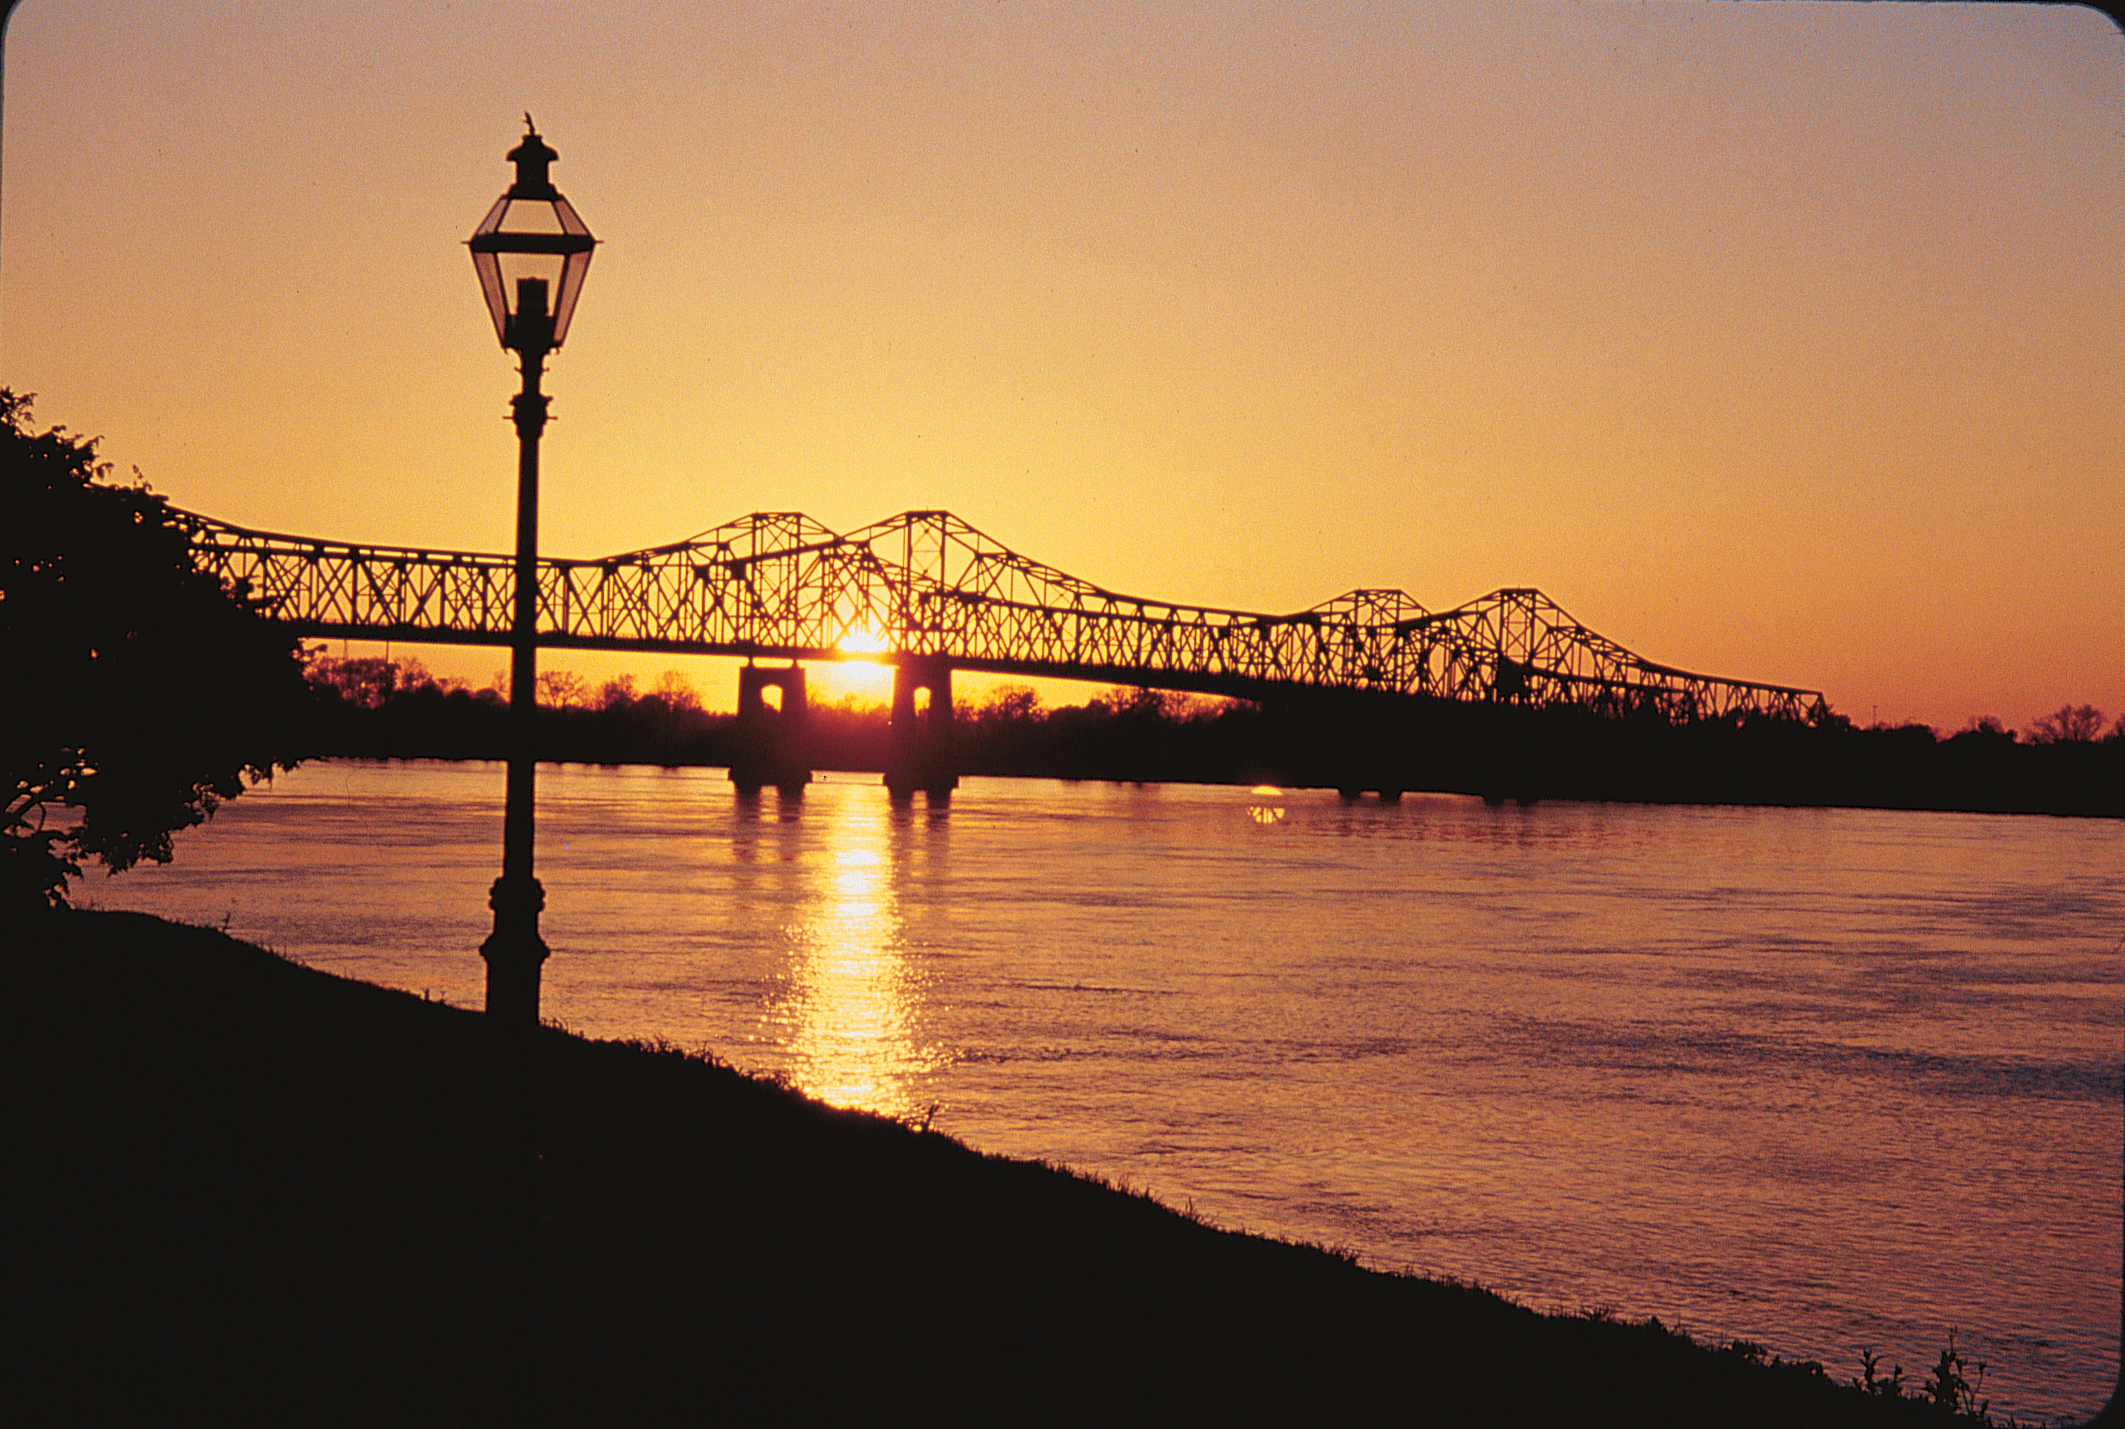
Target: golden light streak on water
<point>854,1037</point>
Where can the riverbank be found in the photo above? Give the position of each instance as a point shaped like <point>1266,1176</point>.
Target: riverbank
<point>259,1187</point>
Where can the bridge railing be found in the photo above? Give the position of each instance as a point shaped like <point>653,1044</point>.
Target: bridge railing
<point>927,585</point>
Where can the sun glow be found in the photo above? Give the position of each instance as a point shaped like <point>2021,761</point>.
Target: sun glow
<point>865,681</point>
<point>862,641</point>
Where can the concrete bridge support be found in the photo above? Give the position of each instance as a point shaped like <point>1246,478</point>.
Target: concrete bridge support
<point>920,756</point>
<point>771,746</point>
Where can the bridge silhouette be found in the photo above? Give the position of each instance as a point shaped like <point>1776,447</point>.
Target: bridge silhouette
<point>929,594</point>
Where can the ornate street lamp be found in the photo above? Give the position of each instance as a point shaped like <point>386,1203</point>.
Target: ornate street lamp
<point>531,252</point>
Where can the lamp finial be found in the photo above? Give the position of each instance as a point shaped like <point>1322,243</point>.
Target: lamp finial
<point>531,159</point>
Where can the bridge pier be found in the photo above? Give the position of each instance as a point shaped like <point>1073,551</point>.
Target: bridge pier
<point>770,741</point>
<point>920,753</point>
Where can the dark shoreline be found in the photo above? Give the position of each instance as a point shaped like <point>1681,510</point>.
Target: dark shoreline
<point>1349,741</point>
<point>260,1187</point>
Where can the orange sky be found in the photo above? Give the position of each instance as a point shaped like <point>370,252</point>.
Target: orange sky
<point>1778,341</point>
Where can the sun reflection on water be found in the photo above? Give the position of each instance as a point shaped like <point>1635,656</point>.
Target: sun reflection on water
<point>854,1034</point>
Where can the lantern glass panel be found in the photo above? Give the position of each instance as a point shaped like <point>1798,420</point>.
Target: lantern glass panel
<point>489,267</point>
<point>568,289</point>
<point>530,215</point>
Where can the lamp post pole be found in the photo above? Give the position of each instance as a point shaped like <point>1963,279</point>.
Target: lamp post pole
<point>514,951</point>
<point>531,252</point>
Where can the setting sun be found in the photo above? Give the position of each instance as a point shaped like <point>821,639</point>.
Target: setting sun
<point>865,641</point>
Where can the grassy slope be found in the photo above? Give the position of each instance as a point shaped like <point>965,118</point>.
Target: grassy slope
<point>281,1194</point>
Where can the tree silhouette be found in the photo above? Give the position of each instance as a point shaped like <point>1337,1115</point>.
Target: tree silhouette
<point>144,693</point>
<point>2069,724</point>
<point>562,689</point>
<point>366,682</point>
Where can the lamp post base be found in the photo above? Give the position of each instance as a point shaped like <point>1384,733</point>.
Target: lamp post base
<point>514,951</point>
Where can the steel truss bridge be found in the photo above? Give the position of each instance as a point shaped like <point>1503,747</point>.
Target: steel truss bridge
<point>924,590</point>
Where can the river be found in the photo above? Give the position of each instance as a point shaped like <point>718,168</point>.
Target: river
<point>1823,1079</point>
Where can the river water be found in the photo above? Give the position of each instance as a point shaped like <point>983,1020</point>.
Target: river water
<point>1823,1079</point>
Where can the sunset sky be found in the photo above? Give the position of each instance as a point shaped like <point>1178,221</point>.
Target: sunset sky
<point>1779,341</point>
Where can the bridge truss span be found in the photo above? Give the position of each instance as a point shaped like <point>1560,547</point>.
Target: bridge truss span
<point>926,587</point>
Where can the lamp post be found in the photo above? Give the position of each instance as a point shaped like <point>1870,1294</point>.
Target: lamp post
<point>531,252</point>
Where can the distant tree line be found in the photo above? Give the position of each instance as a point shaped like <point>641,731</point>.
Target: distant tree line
<point>394,709</point>
<point>2068,763</point>
<point>379,708</point>
<point>1983,768</point>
